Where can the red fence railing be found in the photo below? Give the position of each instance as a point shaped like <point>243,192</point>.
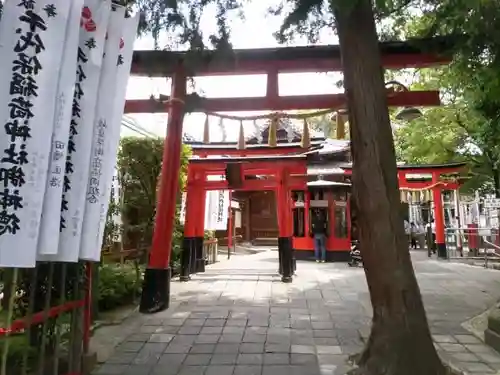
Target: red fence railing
<point>45,319</point>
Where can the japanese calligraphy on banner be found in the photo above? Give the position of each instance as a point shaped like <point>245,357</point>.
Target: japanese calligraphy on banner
<point>116,198</point>
<point>31,47</point>
<point>210,214</point>
<point>48,242</point>
<point>128,34</point>
<point>182,211</point>
<point>216,210</point>
<point>93,27</point>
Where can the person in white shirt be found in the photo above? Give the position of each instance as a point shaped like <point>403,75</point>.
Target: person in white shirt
<point>431,240</point>
<point>413,235</point>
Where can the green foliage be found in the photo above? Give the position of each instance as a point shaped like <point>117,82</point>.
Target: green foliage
<point>112,230</point>
<point>471,118</point>
<point>181,19</point>
<point>139,167</point>
<point>446,134</point>
<point>19,346</point>
<point>119,285</point>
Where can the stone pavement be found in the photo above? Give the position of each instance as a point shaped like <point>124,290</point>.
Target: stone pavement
<point>239,319</point>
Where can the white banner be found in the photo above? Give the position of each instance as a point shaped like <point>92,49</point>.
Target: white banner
<point>48,241</point>
<point>124,62</point>
<point>216,210</point>
<point>31,47</point>
<point>222,210</point>
<point>100,156</point>
<point>93,26</point>
<point>182,212</point>
<point>210,202</point>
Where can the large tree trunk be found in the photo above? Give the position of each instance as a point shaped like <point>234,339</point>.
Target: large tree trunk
<point>400,341</point>
<point>496,181</point>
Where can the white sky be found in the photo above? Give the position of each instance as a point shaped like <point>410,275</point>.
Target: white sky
<point>253,32</point>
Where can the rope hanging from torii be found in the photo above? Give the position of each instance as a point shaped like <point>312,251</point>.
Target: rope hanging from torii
<point>274,118</point>
<point>274,121</point>
<point>409,195</point>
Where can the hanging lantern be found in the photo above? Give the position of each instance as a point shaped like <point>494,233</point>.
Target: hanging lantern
<point>403,196</point>
<point>206,131</point>
<point>273,129</point>
<point>340,128</point>
<point>306,138</point>
<point>241,139</point>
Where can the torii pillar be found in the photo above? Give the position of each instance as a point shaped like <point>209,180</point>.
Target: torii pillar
<point>285,243</point>
<point>156,286</point>
<point>438,216</point>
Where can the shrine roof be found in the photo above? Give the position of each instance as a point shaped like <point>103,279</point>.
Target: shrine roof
<point>331,146</point>
<point>395,54</point>
<point>334,166</point>
<point>321,183</point>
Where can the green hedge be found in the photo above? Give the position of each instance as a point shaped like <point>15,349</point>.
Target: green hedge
<point>118,285</point>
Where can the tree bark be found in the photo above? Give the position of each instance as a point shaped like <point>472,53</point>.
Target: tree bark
<point>496,181</point>
<point>400,341</point>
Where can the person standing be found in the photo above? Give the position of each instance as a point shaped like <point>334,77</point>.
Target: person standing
<point>413,235</point>
<point>319,233</point>
<point>430,229</point>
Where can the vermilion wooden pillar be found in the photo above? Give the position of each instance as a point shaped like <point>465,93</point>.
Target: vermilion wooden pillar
<point>190,221</point>
<point>438,217</point>
<point>156,287</point>
<point>285,243</point>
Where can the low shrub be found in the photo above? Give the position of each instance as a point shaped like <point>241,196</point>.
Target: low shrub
<point>119,285</point>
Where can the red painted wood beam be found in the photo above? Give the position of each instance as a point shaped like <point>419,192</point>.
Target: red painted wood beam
<point>295,184</point>
<point>301,184</point>
<point>270,172</point>
<point>283,103</point>
<point>304,65</point>
<point>248,185</point>
<point>426,185</point>
<point>220,168</point>
<point>395,55</point>
<point>257,151</point>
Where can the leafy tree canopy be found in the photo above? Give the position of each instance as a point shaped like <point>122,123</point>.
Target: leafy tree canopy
<point>181,18</point>
<point>468,126</point>
<point>139,167</point>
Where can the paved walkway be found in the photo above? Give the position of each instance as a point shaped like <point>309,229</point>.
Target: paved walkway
<point>239,319</point>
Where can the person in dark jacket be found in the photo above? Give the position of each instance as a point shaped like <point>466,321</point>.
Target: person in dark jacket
<point>319,232</point>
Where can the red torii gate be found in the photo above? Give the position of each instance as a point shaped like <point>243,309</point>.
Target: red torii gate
<point>285,171</point>
<point>272,61</point>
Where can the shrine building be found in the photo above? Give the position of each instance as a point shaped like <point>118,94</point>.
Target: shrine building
<point>323,185</point>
